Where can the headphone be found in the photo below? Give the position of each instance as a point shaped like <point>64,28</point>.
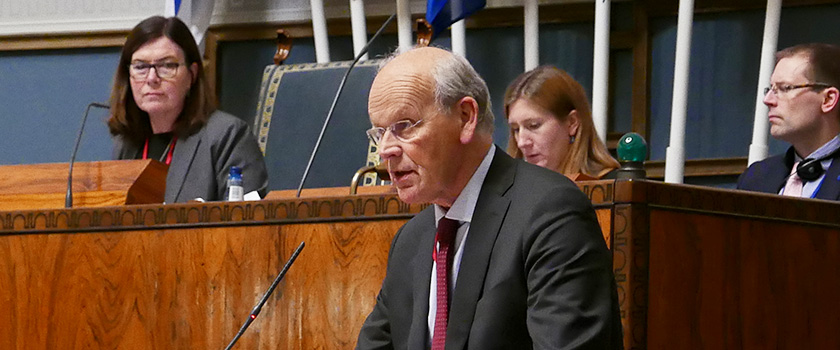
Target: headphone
<point>810,169</point>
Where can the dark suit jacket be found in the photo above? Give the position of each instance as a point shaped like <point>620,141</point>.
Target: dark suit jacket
<point>536,272</point>
<point>201,162</point>
<point>770,175</point>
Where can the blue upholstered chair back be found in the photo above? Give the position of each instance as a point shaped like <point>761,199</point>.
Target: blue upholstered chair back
<point>291,109</point>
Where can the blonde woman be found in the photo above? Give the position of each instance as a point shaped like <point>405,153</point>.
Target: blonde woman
<point>551,125</point>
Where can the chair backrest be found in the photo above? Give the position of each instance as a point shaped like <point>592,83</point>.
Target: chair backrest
<point>291,109</point>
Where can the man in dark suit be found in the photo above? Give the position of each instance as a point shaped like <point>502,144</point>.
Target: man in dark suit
<point>529,267</point>
<point>803,111</point>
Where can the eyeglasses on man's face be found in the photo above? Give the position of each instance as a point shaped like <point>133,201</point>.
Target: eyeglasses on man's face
<point>165,70</point>
<point>779,89</point>
<point>403,130</point>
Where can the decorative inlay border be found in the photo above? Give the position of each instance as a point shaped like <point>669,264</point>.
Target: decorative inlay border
<point>150,216</point>
<point>598,192</point>
<point>631,239</point>
<point>363,207</point>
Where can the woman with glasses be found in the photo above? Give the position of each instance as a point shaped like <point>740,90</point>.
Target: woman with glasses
<point>163,108</point>
<point>551,125</point>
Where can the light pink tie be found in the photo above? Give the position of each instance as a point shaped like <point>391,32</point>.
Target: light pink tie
<point>445,237</point>
<point>793,186</point>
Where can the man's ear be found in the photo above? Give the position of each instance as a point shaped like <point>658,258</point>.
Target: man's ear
<point>829,102</point>
<point>467,110</point>
<point>573,122</point>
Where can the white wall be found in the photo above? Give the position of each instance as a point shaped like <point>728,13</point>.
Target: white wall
<point>58,16</point>
<point>19,17</point>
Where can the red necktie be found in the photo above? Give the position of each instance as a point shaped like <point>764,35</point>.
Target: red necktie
<point>445,237</point>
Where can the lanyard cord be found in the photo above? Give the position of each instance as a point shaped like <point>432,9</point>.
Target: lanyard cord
<point>169,149</point>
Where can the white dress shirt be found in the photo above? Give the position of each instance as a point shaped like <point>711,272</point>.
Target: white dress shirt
<point>810,188</point>
<point>462,211</point>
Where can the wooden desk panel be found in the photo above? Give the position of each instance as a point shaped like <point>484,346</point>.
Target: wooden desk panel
<point>190,289</point>
<point>722,282</point>
<point>95,184</point>
<point>696,268</point>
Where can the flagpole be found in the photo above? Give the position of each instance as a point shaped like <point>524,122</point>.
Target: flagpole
<point>675,153</point>
<point>357,19</point>
<point>195,14</point>
<point>319,29</point>
<point>601,68</point>
<point>169,8</point>
<point>532,35</point>
<point>459,38</point>
<point>761,125</point>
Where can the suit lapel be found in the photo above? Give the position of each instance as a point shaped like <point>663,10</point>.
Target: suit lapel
<point>421,275</point>
<point>830,187</point>
<point>182,158</point>
<point>777,173</point>
<point>775,180</point>
<point>485,225</point>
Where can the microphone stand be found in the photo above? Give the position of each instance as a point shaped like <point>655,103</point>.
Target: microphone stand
<point>362,52</point>
<point>68,198</point>
<point>258,307</point>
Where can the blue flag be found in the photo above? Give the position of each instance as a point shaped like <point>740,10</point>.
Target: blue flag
<point>171,8</point>
<point>442,13</point>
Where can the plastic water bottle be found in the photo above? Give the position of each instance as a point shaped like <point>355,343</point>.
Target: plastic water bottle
<point>235,191</point>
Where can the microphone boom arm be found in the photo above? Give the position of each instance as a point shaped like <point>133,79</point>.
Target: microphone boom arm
<point>258,307</point>
<point>362,52</point>
<point>68,197</point>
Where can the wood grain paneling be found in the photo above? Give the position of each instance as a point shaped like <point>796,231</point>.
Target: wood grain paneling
<point>696,268</point>
<point>725,283</point>
<point>95,184</point>
<point>700,167</point>
<point>630,266</point>
<point>191,289</point>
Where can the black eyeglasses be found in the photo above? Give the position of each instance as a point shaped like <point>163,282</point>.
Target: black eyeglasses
<point>403,130</point>
<point>785,88</point>
<point>164,70</point>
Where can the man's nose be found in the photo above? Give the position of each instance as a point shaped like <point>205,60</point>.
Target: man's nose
<point>770,98</point>
<point>389,146</point>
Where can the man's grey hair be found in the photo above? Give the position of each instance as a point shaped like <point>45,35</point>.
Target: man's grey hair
<point>455,79</point>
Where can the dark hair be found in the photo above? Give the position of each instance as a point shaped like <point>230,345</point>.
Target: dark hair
<point>129,120</point>
<point>556,91</point>
<point>823,61</point>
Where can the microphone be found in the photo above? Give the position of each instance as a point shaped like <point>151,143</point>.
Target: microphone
<point>68,198</point>
<point>258,307</point>
<point>362,52</point>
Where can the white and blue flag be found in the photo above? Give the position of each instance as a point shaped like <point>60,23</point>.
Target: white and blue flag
<point>196,14</point>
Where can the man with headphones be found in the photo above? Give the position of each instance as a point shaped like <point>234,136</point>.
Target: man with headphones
<point>803,111</point>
